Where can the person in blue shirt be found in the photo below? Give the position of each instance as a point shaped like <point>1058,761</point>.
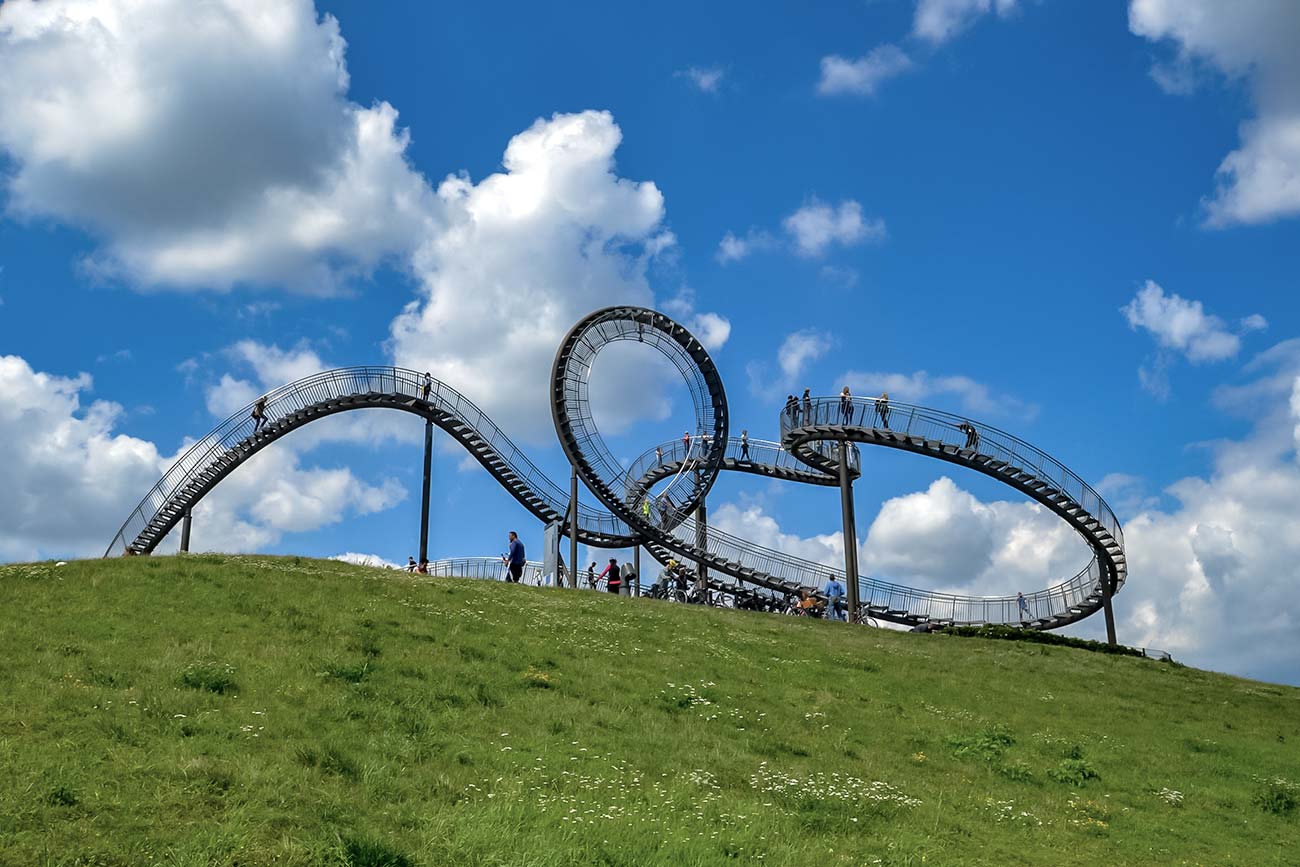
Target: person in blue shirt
<point>834,591</point>
<point>515,559</point>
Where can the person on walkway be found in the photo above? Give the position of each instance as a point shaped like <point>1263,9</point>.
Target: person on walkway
<point>686,444</point>
<point>645,509</point>
<point>882,409</point>
<point>846,406</point>
<point>659,456</point>
<point>591,576</point>
<point>807,407</point>
<point>426,386</point>
<point>834,591</point>
<point>610,575</point>
<point>792,410</point>
<point>744,445</point>
<point>410,564</point>
<point>259,414</point>
<point>972,435</point>
<point>1023,605</point>
<point>515,559</point>
<point>663,511</point>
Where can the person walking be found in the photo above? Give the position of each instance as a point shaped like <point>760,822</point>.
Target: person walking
<point>807,407</point>
<point>686,444</point>
<point>882,409</point>
<point>258,415</point>
<point>611,576</point>
<point>1023,605</point>
<point>591,576</point>
<point>515,559</point>
<point>410,564</point>
<point>663,511</point>
<point>834,591</point>
<point>846,406</point>
<point>972,435</point>
<point>426,386</point>
<point>659,456</point>
<point>645,509</point>
<point>744,445</point>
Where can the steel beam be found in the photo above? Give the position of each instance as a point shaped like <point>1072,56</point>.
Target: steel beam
<point>185,529</point>
<point>424,500</point>
<point>850,529</point>
<point>1107,580</point>
<point>573,529</point>
<point>636,566</point>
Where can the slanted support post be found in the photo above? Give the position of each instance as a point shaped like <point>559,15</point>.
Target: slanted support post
<point>1107,589</point>
<point>850,530</point>
<point>573,529</point>
<point>186,521</point>
<point>424,499</point>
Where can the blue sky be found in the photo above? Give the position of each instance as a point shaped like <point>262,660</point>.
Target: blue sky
<point>1075,221</point>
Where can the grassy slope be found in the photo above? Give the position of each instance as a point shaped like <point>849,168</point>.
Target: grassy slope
<point>373,720</point>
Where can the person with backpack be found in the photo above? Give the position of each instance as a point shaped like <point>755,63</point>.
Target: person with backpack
<point>259,414</point>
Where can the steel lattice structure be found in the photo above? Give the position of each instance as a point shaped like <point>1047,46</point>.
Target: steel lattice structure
<point>813,438</point>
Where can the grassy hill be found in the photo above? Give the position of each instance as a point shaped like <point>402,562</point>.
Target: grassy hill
<point>256,711</point>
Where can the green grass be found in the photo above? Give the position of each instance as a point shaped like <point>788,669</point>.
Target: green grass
<point>256,711</point>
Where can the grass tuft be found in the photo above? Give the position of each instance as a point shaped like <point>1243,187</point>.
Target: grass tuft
<point>215,677</point>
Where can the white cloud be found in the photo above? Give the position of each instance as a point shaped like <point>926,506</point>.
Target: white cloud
<point>864,75</point>
<point>938,21</point>
<point>817,225</point>
<point>705,78</point>
<point>526,253</point>
<point>208,146</point>
<point>372,560</point>
<point>1180,326</point>
<point>1255,42</point>
<point>799,348</point>
<point>733,248</point>
<point>72,480</point>
<point>920,387</point>
<point>751,523</point>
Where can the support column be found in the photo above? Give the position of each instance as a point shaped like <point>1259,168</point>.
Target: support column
<point>850,530</point>
<point>573,529</point>
<point>185,530</point>
<point>1107,588</point>
<point>702,541</point>
<point>636,566</point>
<point>424,499</point>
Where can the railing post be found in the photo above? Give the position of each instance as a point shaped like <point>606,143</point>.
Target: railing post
<point>185,530</point>
<point>424,500</point>
<point>850,530</point>
<point>636,566</point>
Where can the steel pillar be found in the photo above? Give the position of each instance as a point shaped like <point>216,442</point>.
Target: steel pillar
<point>636,566</point>
<point>850,530</point>
<point>573,529</point>
<point>1107,581</point>
<point>185,530</point>
<point>424,499</point>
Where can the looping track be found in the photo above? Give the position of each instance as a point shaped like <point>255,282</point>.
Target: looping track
<point>677,478</point>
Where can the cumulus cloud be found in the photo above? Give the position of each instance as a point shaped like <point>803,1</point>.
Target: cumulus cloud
<point>1181,327</point>
<point>526,253</point>
<point>799,349</point>
<point>752,523</point>
<point>1255,43</point>
<point>864,75</point>
<point>939,21</point>
<point>704,78</point>
<point>817,225</point>
<point>207,146</point>
<point>72,479</point>
<point>733,248</point>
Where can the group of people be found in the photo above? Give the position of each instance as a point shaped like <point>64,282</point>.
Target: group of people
<point>801,410</point>
<point>618,579</point>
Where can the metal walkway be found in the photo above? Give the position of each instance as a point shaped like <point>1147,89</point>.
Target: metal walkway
<point>675,478</point>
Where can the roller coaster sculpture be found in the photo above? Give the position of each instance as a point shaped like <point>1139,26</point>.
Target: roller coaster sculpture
<point>655,501</point>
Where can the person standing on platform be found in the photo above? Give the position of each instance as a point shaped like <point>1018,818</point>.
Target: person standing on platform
<point>515,559</point>
<point>744,445</point>
<point>846,406</point>
<point>807,407</point>
<point>882,409</point>
<point>659,456</point>
<point>426,386</point>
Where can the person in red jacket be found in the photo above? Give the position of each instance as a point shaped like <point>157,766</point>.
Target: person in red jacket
<point>614,582</point>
